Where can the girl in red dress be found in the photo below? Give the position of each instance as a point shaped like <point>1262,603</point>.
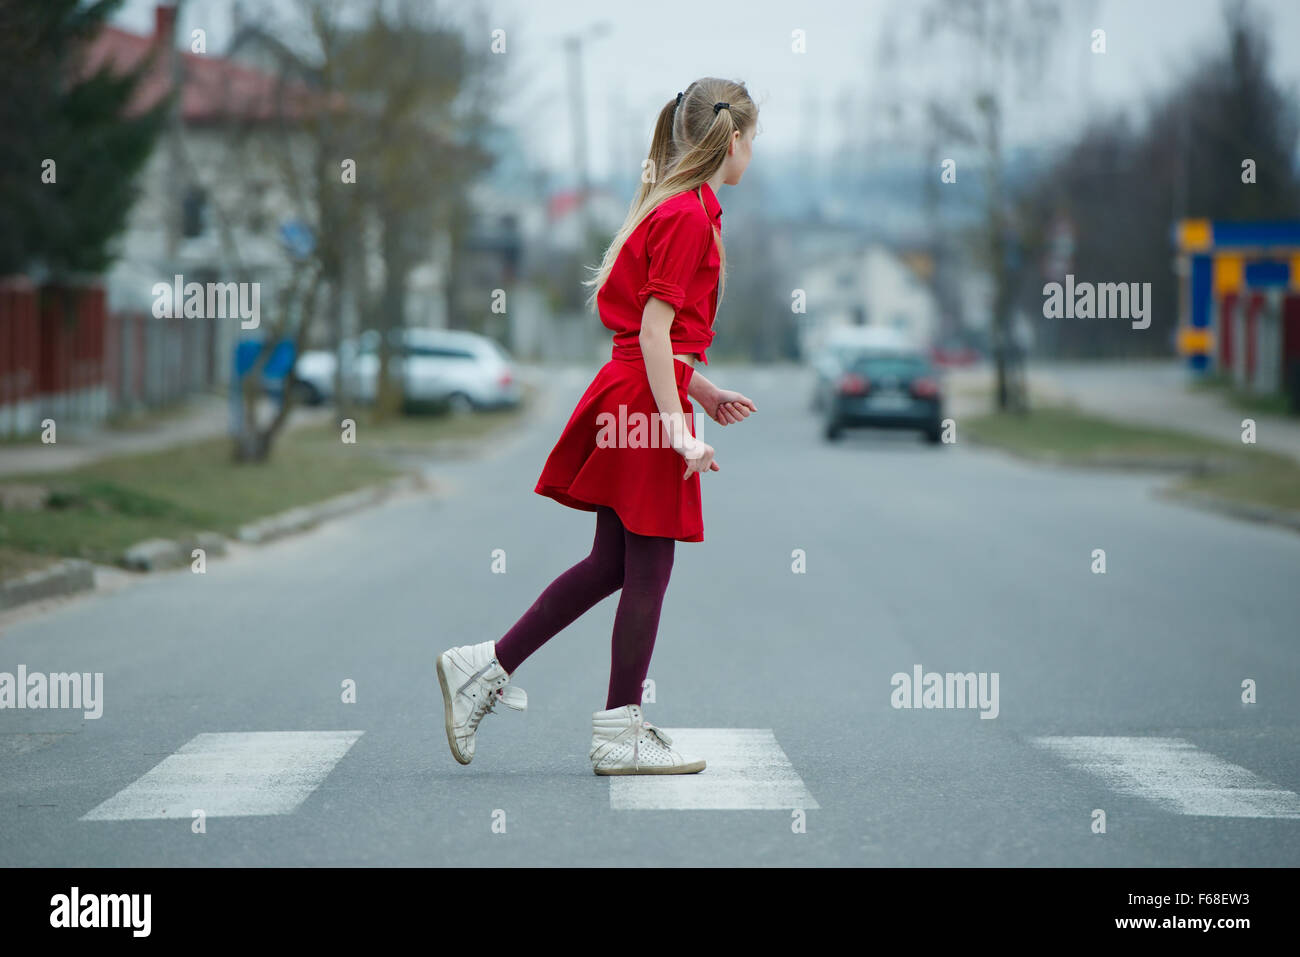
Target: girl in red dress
<point>629,451</point>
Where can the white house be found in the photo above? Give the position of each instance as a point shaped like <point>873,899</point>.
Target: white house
<point>869,286</point>
<point>214,194</point>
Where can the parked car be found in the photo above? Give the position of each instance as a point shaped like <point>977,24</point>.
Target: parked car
<point>315,374</point>
<point>886,388</point>
<point>463,370</point>
<point>954,353</point>
<point>840,348</point>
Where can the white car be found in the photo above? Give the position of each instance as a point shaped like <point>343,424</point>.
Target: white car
<point>462,369</point>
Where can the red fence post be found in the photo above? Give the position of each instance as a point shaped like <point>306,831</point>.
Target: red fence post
<point>18,355</point>
<point>70,367</point>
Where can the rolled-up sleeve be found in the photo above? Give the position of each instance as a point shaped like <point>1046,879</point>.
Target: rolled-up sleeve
<point>676,242</point>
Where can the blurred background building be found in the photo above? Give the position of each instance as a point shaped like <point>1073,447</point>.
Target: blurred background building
<point>983,149</point>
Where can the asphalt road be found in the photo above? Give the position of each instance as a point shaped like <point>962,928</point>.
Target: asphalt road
<point>1119,692</point>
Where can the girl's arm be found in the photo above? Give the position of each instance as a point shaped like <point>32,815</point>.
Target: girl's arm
<point>721,405</point>
<point>701,389</point>
<point>657,350</point>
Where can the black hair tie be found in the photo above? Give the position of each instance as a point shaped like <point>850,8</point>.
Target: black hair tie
<point>720,106</point>
<point>678,103</point>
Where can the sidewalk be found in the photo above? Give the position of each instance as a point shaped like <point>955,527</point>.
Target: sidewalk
<point>1146,392</point>
<point>205,417</point>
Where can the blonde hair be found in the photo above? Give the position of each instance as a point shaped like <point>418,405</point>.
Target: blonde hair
<point>689,145</point>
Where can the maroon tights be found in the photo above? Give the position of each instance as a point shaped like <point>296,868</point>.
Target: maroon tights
<point>640,565</point>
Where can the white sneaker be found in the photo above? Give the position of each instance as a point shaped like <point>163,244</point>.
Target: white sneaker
<point>472,683</point>
<point>623,742</point>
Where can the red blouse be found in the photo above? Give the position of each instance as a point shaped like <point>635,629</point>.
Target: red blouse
<point>671,255</point>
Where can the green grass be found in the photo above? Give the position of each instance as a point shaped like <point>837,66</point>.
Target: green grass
<point>1239,473</point>
<point>15,563</point>
<point>20,441</point>
<point>1271,480</point>
<point>422,433</point>
<point>141,420</point>
<point>99,510</point>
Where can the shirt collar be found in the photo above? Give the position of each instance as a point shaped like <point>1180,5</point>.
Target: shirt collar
<point>711,204</point>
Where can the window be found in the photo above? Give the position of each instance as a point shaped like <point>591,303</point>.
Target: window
<point>440,352</point>
<point>256,204</point>
<point>880,366</point>
<point>194,212</point>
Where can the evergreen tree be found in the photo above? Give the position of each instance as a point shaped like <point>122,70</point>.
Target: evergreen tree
<point>51,110</point>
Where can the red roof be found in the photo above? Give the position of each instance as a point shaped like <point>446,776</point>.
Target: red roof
<point>563,202</point>
<point>213,89</point>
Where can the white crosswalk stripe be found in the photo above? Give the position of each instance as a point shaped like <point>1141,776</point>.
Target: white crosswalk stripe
<point>231,775</point>
<point>1176,775</point>
<point>746,770</point>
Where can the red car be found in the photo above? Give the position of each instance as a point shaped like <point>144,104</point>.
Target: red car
<point>953,354</point>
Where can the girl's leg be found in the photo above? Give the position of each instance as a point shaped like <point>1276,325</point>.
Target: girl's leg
<point>597,576</point>
<point>647,563</point>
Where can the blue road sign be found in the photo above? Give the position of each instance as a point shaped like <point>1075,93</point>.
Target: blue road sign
<point>274,372</point>
<point>298,237</point>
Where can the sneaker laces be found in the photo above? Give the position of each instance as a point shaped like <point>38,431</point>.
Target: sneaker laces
<point>512,697</point>
<point>638,725</point>
<point>485,703</point>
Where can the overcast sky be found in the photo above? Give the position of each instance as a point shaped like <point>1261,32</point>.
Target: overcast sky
<point>819,100</point>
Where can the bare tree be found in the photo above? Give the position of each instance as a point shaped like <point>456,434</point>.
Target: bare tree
<point>1002,38</point>
<point>393,103</point>
<point>426,91</point>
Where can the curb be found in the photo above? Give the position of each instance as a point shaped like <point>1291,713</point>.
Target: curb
<point>304,517</point>
<point>156,554</point>
<point>1265,514</point>
<point>62,578</point>
<point>160,554</point>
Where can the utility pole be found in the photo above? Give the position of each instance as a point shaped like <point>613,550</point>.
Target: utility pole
<point>573,44</point>
<point>165,18</point>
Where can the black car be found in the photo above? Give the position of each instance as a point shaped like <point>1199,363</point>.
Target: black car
<point>888,389</point>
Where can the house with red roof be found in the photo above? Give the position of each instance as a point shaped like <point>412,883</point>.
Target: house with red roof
<point>216,199</point>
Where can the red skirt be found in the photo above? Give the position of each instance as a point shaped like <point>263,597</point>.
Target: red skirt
<point>638,476</point>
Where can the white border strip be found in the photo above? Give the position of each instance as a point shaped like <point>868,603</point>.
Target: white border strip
<point>746,770</point>
<point>1176,775</point>
<point>241,774</point>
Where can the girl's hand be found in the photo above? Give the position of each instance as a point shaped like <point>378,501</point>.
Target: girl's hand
<point>698,455</point>
<point>726,406</point>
